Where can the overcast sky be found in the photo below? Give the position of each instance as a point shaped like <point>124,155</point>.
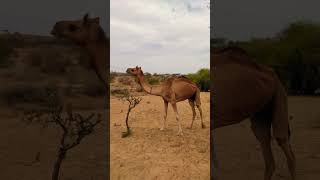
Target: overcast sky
<point>38,16</point>
<point>245,19</point>
<point>161,36</point>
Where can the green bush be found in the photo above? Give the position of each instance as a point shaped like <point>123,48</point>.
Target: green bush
<point>201,78</point>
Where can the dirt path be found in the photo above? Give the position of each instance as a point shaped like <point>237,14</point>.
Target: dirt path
<point>153,154</point>
<point>239,154</point>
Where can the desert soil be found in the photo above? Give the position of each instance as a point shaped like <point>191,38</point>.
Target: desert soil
<point>239,154</point>
<point>153,154</point>
<point>22,143</point>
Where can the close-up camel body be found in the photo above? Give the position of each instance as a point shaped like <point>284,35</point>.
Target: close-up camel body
<point>243,89</point>
<point>88,34</point>
<point>173,90</point>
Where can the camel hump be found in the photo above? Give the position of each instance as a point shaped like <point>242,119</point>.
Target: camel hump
<point>183,78</point>
<point>230,49</point>
<point>236,55</point>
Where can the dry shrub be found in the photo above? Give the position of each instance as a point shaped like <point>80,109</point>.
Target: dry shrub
<point>50,61</point>
<point>117,91</point>
<point>125,80</point>
<point>24,94</point>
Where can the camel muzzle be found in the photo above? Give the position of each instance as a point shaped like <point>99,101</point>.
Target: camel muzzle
<point>128,70</point>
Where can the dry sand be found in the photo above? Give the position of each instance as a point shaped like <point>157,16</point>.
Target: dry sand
<point>153,154</point>
<point>239,154</point>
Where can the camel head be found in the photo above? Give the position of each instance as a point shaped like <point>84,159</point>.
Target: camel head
<point>135,71</point>
<point>81,31</point>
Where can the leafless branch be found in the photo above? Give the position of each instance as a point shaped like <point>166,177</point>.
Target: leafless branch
<point>133,102</point>
<point>75,126</point>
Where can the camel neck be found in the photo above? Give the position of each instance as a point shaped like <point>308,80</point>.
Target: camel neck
<point>99,52</point>
<point>150,89</point>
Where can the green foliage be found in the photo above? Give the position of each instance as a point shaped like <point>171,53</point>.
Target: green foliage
<point>294,54</point>
<point>153,79</point>
<point>201,78</point>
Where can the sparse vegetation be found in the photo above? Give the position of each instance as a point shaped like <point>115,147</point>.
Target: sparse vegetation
<point>74,126</point>
<point>120,92</point>
<point>125,80</point>
<point>133,102</point>
<point>24,94</point>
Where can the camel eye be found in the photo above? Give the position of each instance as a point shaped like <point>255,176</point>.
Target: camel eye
<point>72,28</point>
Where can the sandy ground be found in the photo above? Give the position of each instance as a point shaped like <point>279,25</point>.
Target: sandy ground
<point>20,144</point>
<point>153,154</point>
<point>239,154</point>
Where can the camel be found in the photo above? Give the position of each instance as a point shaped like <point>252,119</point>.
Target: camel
<point>173,90</point>
<point>88,34</point>
<point>244,89</point>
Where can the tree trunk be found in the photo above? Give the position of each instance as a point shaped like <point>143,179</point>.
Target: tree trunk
<point>56,168</point>
<point>127,118</point>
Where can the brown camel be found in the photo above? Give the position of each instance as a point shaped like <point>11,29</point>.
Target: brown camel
<point>174,89</point>
<point>244,89</point>
<point>88,34</point>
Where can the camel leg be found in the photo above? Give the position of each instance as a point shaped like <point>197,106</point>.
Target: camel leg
<point>174,106</point>
<point>262,131</point>
<point>193,112</point>
<point>291,161</point>
<point>200,110</point>
<point>165,115</point>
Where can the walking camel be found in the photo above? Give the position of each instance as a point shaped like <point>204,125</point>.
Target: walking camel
<point>244,89</point>
<point>88,34</point>
<point>173,90</point>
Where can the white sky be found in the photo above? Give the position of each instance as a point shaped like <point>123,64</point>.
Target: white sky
<point>161,36</point>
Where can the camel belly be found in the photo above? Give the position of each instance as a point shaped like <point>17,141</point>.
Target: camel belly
<point>238,93</point>
<point>183,91</point>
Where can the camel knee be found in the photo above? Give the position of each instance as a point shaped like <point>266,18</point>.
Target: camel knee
<point>282,141</point>
<point>165,117</point>
<point>262,135</point>
<point>177,117</point>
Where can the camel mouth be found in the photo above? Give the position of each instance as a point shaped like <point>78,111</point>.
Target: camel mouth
<point>55,34</point>
<point>128,71</point>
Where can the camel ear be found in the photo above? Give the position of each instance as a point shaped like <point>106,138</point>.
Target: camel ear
<point>85,18</point>
<point>140,68</point>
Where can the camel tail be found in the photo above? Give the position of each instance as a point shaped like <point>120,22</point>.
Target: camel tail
<point>280,120</point>
<point>197,97</point>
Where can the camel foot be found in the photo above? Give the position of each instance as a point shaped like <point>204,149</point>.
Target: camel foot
<point>203,126</point>
<point>190,127</point>
<point>180,133</point>
<point>162,128</point>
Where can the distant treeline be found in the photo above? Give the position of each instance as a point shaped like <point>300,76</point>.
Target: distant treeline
<point>294,54</point>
